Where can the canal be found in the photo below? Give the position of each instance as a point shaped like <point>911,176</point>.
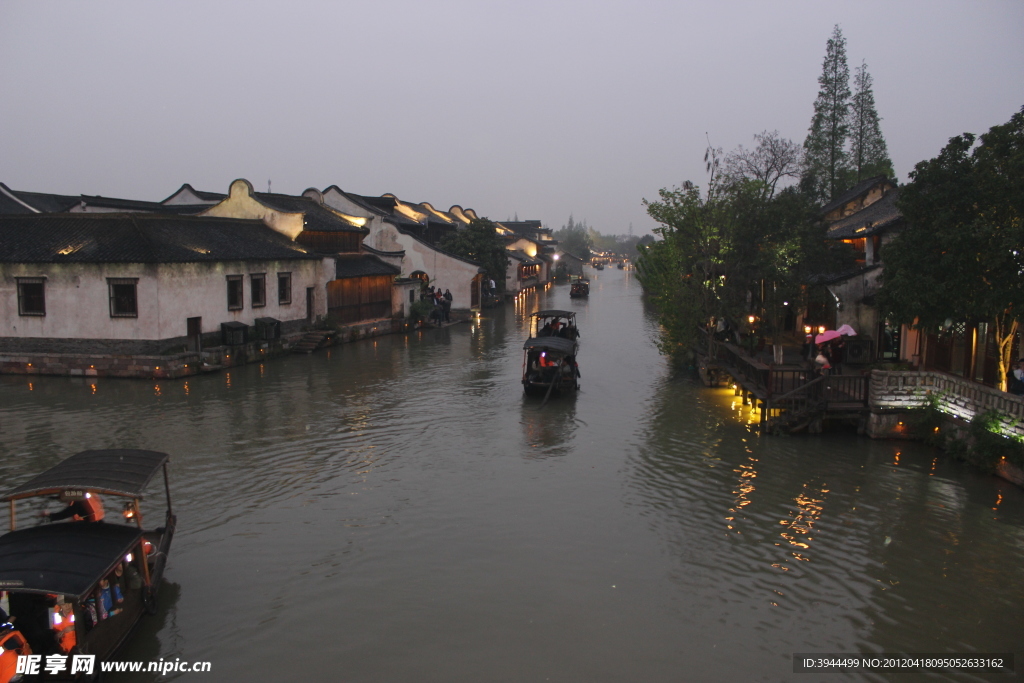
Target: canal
<point>395,510</point>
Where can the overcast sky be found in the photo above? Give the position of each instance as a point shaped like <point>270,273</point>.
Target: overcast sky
<point>536,108</point>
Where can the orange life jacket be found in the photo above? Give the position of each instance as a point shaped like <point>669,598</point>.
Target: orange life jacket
<point>94,507</point>
<point>63,626</point>
<point>12,644</point>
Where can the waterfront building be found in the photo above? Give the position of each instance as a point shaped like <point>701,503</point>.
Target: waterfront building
<point>146,284</point>
<point>395,226</point>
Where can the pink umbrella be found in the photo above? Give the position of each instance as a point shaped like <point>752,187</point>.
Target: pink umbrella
<point>847,331</point>
<point>827,335</point>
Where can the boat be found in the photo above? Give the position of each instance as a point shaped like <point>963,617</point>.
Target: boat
<point>549,355</point>
<point>80,586</point>
<point>580,287</point>
<point>598,266</point>
<point>620,265</point>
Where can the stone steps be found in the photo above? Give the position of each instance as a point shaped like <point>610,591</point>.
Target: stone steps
<point>310,342</point>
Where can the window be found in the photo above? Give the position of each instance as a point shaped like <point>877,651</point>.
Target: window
<point>123,302</point>
<point>258,289</point>
<point>284,288</point>
<point>31,296</point>
<point>235,292</point>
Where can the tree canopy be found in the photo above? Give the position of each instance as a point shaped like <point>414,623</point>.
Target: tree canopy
<point>479,241</point>
<point>961,255</point>
<point>826,162</point>
<point>869,155</point>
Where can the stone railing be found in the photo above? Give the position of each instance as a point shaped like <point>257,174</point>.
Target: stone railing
<point>961,398</point>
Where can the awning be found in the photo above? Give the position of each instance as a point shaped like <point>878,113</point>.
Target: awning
<point>65,558</point>
<point>120,472</point>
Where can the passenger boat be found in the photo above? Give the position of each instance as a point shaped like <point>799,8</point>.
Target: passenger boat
<point>79,587</point>
<point>598,266</point>
<point>580,287</point>
<point>620,265</point>
<point>549,355</point>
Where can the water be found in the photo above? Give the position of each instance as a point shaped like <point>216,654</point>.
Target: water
<point>396,510</point>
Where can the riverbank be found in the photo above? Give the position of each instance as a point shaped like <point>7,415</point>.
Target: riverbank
<point>77,358</point>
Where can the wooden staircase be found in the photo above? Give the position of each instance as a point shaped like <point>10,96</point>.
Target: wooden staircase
<point>310,342</point>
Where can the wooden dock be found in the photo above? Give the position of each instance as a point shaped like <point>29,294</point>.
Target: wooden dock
<point>791,398</point>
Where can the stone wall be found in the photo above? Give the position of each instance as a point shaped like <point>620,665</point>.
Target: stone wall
<point>894,392</point>
<point>70,357</point>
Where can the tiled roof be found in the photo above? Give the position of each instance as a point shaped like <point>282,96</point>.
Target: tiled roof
<point>14,201</point>
<point>522,256</point>
<point>869,220</point>
<point>318,217</point>
<point>140,238</point>
<point>362,265</point>
<point>206,196</point>
<point>139,205</point>
<point>855,191</point>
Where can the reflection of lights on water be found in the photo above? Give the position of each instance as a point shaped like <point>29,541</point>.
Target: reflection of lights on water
<point>896,459</point>
<point>227,380</point>
<point>31,387</point>
<point>799,528</point>
<point>186,388</point>
<point>156,389</point>
<point>93,388</point>
<point>999,499</point>
<point>935,463</point>
<point>261,369</point>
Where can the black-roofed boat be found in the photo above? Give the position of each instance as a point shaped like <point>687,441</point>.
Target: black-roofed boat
<point>549,355</point>
<point>80,586</point>
<point>579,288</point>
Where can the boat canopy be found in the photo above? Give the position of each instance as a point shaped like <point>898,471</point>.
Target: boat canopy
<point>63,559</point>
<point>554,314</point>
<point>119,472</point>
<point>559,344</point>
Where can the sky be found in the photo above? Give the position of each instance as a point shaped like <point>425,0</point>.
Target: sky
<point>536,109</point>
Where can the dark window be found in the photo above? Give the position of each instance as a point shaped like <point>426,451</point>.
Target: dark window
<point>123,301</point>
<point>31,296</point>
<point>284,288</point>
<point>259,290</point>
<point>235,292</point>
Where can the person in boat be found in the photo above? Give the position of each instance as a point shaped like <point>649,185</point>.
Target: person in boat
<point>87,509</point>
<point>547,366</point>
<point>570,368</point>
<point>545,331</point>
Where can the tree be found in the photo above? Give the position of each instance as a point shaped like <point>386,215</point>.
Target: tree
<point>574,238</point>
<point>773,159</point>
<point>480,242</point>
<point>826,162</point>
<point>869,156</point>
<point>962,254</point>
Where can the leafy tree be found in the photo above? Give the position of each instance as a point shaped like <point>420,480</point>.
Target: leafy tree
<point>869,156</point>
<point>773,159</point>
<point>826,161</point>
<point>575,239</point>
<point>962,254</point>
<point>480,242</point>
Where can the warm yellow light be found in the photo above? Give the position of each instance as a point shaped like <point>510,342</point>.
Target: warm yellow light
<point>751,319</point>
<point>821,329</point>
<point>807,329</point>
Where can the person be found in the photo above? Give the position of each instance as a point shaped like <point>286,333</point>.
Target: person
<point>88,508</point>
<point>63,625</point>
<point>545,331</point>
<point>448,295</point>
<point>1015,379</point>
<point>837,349</point>
<point>494,289</point>
<point>822,361</point>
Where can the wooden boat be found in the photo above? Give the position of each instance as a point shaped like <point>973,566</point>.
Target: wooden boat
<point>579,288</point>
<point>620,265</point>
<point>549,355</point>
<point>598,266</point>
<point>80,587</point>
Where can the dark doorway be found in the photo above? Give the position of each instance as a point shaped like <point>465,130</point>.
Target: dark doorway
<point>194,330</point>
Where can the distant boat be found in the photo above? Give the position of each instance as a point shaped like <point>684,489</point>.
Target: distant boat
<point>598,266</point>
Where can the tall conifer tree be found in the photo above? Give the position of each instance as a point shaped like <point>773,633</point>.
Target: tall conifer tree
<point>869,156</point>
<point>826,161</point>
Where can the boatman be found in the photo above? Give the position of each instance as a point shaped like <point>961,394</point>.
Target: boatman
<point>88,508</point>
